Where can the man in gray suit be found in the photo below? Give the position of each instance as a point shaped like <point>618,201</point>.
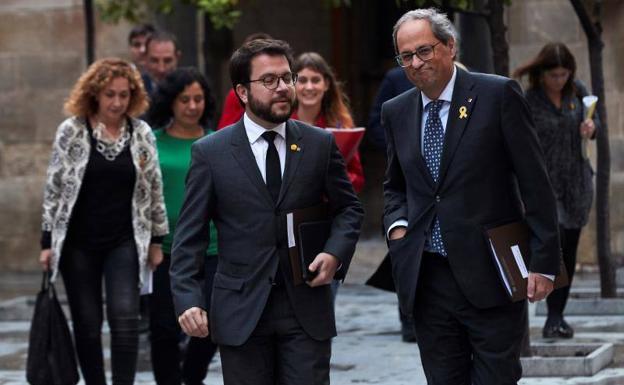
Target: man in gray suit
<point>246,178</point>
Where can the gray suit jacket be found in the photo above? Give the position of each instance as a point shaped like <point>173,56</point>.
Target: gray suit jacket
<point>492,172</point>
<point>224,184</point>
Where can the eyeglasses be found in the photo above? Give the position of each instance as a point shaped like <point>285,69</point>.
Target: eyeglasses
<point>424,53</point>
<point>271,81</point>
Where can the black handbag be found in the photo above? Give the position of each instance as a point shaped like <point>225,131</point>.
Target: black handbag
<point>51,357</point>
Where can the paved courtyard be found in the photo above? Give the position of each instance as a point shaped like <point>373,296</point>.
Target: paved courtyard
<point>368,349</point>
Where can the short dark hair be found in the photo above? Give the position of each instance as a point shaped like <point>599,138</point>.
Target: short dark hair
<point>240,63</point>
<point>141,30</point>
<point>161,112</point>
<point>257,36</point>
<point>162,37</point>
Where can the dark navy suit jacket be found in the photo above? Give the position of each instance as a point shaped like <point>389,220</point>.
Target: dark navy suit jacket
<point>492,171</point>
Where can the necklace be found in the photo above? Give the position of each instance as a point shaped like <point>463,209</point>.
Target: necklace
<point>109,148</point>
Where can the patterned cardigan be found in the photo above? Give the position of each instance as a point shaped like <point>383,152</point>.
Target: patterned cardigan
<point>70,155</point>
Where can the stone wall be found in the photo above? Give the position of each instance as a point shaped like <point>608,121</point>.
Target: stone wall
<point>41,56</point>
<point>531,24</point>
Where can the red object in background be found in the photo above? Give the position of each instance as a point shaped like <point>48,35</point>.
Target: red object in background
<point>348,140</point>
<point>232,110</point>
<point>355,172</point>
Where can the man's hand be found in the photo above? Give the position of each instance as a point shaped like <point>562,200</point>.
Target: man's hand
<point>154,256</point>
<point>44,259</point>
<point>194,322</point>
<point>398,232</point>
<point>538,287</point>
<point>325,265</point>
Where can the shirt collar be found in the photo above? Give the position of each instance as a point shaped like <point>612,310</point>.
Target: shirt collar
<point>254,130</point>
<point>447,92</point>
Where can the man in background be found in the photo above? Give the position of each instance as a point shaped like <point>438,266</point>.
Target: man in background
<point>137,41</point>
<point>161,58</point>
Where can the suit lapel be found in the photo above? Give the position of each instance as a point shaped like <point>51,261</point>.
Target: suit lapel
<point>294,153</point>
<point>241,150</point>
<point>460,112</point>
<point>412,118</point>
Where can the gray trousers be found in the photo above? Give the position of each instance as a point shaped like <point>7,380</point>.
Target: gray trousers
<point>278,352</point>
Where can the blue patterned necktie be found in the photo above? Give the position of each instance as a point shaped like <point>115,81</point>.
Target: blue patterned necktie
<point>433,143</point>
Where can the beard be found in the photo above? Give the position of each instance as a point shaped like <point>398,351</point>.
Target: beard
<point>265,111</point>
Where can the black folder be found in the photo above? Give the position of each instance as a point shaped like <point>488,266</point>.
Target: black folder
<point>311,228</point>
<point>312,238</point>
<point>509,246</point>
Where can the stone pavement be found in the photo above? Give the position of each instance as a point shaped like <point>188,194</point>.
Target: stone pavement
<point>368,349</point>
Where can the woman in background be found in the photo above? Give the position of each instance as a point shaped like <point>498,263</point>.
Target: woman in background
<point>322,103</point>
<point>103,213</point>
<point>555,99</point>
<point>181,109</point>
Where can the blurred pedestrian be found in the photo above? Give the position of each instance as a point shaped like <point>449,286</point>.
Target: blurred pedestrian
<point>555,99</point>
<point>181,108</point>
<point>321,102</point>
<point>137,39</point>
<point>161,58</point>
<point>103,213</point>
<point>394,83</point>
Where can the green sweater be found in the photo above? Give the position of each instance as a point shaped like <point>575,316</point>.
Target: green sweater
<point>175,160</point>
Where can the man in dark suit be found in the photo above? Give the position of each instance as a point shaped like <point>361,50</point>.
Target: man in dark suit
<point>462,156</point>
<point>246,178</point>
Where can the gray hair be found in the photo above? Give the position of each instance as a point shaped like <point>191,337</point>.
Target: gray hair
<point>441,26</point>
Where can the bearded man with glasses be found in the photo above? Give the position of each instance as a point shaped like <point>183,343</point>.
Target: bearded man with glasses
<point>463,156</point>
<point>246,178</point>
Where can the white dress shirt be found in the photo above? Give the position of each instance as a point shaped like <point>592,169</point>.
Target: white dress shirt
<point>259,146</point>
<point>446,96</point>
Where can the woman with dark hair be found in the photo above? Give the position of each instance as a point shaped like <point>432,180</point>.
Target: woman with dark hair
<point>103,213</point>
<point>555,100</point>
<point>322,103</point>
<point>181,109</point>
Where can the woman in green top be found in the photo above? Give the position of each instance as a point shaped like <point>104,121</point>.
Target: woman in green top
<point>181,110</point>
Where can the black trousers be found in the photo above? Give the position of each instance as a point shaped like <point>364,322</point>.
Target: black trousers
<point>557,300</point>
<point>82,273</point>
<point>459,343</point>
<point>171,366</point>
<point>278,352</point>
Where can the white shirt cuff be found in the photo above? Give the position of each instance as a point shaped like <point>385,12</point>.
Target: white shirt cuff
<point>398,223</point>
<point>549,276</point>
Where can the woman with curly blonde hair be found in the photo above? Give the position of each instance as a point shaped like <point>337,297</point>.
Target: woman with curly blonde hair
<point>103,213</point>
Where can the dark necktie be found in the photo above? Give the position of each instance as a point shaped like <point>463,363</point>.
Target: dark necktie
<point>432,150</point>
<point>273,169</point>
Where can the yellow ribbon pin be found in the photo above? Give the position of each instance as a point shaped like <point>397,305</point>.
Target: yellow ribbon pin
<point>462,112</point>
<point>294,147</point>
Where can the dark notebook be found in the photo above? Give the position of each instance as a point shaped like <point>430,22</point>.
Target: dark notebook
<point>510,249</point>
<point>308,230</point>
<point>312,238</point>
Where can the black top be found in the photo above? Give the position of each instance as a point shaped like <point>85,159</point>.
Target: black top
<point>102,215</point>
